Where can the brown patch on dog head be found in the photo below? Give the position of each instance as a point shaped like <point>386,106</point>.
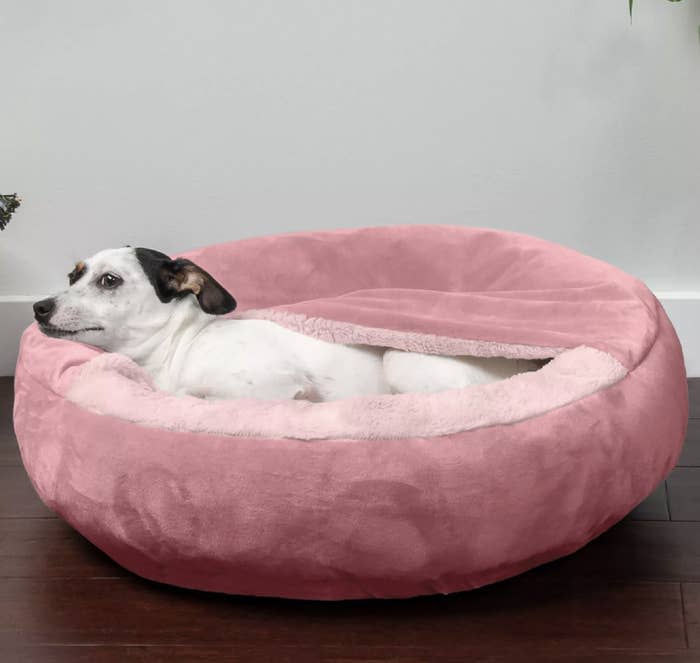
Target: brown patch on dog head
<point>189,279</point>
<point>79,269</point>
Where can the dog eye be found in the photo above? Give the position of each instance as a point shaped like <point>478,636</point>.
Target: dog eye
<point>110,281</point>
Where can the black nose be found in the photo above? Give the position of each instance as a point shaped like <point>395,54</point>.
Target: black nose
<point>44,309</point>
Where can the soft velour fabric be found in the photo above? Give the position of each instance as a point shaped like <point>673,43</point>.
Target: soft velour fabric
<point>388,496</point>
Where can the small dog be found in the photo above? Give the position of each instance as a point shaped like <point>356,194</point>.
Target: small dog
<point>162,313</point>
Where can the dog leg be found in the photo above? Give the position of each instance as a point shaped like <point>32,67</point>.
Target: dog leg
<point>408,372</point>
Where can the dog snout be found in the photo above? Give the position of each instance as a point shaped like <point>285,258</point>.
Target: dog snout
<point>44,309</point>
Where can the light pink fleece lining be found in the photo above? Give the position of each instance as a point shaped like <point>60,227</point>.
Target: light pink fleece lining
<point>340,332</point>
<point>114,385</point>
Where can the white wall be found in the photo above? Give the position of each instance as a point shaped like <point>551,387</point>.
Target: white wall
<point>177,123</point>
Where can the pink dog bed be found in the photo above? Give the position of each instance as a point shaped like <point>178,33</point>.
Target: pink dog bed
<point>387,496</point>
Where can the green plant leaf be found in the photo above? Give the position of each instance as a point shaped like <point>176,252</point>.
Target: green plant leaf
<point>8,204</point>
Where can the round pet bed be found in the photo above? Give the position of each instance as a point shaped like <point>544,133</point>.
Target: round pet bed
<point>382,496</point>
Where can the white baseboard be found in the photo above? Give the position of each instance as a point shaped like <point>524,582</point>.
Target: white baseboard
<point>682,307</point>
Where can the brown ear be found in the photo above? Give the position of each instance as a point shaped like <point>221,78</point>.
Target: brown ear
<point>182,276</point>
<point>178,278</point>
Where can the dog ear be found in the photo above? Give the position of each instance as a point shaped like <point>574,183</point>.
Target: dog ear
<point>181,277</point>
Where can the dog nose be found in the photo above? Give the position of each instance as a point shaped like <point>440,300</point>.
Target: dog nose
<point>44,309</point>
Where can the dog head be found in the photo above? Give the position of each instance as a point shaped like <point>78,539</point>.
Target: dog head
<point>119,296</point>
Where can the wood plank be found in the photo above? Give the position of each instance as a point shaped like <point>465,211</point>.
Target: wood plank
<point>690,592</point>
<point>178,654</point>
<point>49,548</point>
<point>326,654</point>
<point>17,496</point>
<point>690,456</point>
<point>684,493</point>
<point>654,507</point>
<point>6,401</point>
<point>694,394</point>
<point>518,613</point>
<point>9,451</point>
<point>633,551</point>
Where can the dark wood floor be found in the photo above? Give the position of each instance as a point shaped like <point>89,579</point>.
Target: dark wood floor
<point>631,596</point>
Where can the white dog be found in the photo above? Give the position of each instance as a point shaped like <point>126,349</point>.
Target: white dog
<point>162,313</point>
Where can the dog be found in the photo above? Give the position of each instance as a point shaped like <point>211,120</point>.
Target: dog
<point>163,314</point>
